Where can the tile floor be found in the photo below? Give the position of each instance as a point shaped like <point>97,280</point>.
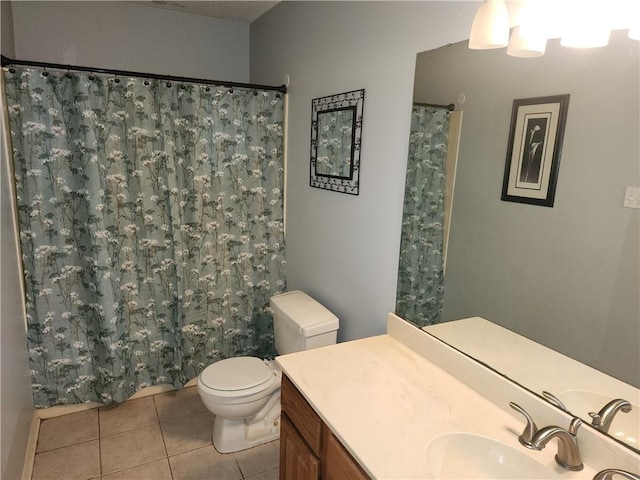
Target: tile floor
<point>163,437</point>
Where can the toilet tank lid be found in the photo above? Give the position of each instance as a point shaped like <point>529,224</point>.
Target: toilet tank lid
<point>304,314</point>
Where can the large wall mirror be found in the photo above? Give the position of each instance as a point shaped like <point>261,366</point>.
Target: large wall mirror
<point>566,277</point>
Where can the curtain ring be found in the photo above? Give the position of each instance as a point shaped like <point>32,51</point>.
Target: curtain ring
<point>68,74</point>
<point>182,87</point>
<point>45,73</point>
<point>168,84</point>
<point>116,79</point>
<point>255,93</point>
<point>92,77</point>
<point>146,82</point>
<point>208,89</point>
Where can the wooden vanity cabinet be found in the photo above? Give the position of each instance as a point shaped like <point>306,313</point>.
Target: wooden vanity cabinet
<point>297,460</point>
<point>308,448</point>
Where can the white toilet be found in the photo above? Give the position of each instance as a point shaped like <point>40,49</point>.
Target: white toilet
<point>244,392</point>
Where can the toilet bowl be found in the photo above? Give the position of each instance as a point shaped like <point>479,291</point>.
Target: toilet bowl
<point>244,392</point>
<point>244,395</point>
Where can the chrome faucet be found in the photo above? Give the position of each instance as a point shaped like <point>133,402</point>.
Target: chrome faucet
<point>610,472</point>
<point>568,455</point>
<point>602,420</point>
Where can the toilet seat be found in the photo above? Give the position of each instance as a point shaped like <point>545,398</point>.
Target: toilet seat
<point>237,377</point>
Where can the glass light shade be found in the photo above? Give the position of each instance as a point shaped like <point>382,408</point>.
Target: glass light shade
<point>490,27</point>
<point>541,19</point>
<point>552,18</point>
<point>634,23</point>
<point>526,46</point>
<point>620,13</point>
<point>586,38</point>
<point>587,26</point>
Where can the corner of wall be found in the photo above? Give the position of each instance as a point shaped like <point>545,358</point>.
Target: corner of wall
<point>7,44</point>
<point>16,400</point>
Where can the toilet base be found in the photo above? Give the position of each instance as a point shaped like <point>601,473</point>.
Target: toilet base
<point>235,435</point>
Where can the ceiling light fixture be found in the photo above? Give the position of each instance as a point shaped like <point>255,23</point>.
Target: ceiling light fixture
<point>634,27</point>
<point>490,27</point>
<point>526,46</point>
<point>587,26</point>
<point>578,24</point>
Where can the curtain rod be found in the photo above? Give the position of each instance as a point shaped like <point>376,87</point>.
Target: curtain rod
<point>6,62</point>
<point>451,107</point>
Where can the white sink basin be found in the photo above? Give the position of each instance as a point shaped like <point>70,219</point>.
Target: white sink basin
<point>468,456</point>
<point>625,426</point>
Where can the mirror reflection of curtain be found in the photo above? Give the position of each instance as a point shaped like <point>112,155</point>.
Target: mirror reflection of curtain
<point>421,268</point>
<point>335,130</point>
<point>151,225</point>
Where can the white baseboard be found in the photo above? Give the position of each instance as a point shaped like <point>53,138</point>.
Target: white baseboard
<point>32,443</point>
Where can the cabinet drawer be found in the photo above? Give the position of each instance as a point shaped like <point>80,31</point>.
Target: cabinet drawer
<point>302,415</point>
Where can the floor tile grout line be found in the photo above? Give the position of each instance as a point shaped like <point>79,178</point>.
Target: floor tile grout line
<point>191,450</point>
<point>239,468</point>
<point>99,445</point>
<point>164,443</point>
<point>67,446</point>
<point>134,466</point>
<point>129,431</point>
<point>166,457</point>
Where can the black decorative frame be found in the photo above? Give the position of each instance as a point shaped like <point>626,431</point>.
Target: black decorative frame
<point>533,152</point>
<point>348,101</point>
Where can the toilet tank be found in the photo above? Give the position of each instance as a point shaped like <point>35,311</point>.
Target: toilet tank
<point>301,323</point>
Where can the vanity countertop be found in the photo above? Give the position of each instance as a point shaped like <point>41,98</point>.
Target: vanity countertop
<point>385,403</point>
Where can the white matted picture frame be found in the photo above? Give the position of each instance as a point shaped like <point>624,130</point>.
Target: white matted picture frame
<point>533,153</point>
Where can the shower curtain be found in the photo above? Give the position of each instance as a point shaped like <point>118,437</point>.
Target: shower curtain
<point>420,274</point>
<point>151,227</point>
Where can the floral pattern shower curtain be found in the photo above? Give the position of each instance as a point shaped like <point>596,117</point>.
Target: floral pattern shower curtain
<point>151,225</point>
<point>420,275</point>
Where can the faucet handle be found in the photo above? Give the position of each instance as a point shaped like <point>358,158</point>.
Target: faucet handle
<point>574,426</point>
<point>609,473</point>
<point>597,419</point>
<point>554,400</point>
<point>530,428</point>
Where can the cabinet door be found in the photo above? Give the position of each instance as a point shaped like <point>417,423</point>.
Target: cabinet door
<point>337,463</point>
<point>302,415</point>
<point>297,460</point>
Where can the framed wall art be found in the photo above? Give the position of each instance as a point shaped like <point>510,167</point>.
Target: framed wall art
<point>336,136</point>
<point>533,152</point>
